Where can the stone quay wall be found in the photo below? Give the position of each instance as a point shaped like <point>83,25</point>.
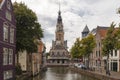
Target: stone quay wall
<point>93,74</point>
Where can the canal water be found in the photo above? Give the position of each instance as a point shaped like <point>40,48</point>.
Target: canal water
<point>60,73</point>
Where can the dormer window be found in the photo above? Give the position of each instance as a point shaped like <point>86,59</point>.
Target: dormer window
<point>8,5</point>
<point>8,15</point>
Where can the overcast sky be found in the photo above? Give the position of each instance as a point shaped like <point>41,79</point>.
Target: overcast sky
<point>75,14</point>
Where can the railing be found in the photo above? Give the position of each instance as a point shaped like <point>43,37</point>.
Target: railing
<point>58,58</point>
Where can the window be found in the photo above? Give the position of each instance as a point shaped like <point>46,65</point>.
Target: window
<point>5,32</point>
<point>10,56</point>
<point>11,35</point>
<point>96,63</point>
<point>5,75</point>
<point>8,5</point>
<point>96,54</point>
<point>8,15</point>
<point>115,52</point>
<point>99,53</point>
<point>111,54</point>
<point>5,56</point>
<point>8,74</point>
<point>58,54</point>
<point>99,44</point>
<point>63,54</point>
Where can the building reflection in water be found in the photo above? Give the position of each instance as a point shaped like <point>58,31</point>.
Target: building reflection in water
<point>60,73</point>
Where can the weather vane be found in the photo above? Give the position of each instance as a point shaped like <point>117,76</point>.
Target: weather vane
<point>59,5</point>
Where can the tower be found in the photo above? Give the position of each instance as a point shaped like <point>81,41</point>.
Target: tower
<point>59,54</point>
<point>85,31</point>
<point>59,30</point>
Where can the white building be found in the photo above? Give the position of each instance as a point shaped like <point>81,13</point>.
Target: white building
<point>23,60</point>
<point>114,61</point>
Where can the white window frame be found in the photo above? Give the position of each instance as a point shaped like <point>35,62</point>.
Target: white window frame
<point>8,15</point>
<point>5,32</point>
<point>8,74</point>
<point>12,30</point>
<point>5,56</point>
<point>5,75</point>
<point>10,56</point>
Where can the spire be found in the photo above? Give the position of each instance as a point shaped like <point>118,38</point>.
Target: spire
<point>59,15</point>
<point>86,29</point>
<point>59,8</point>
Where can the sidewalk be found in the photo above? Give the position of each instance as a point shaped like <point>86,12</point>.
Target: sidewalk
<point>115,75</point>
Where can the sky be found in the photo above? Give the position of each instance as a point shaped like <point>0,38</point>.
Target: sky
<point>76,14</point>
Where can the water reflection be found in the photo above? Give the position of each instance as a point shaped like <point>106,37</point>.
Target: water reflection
<point>60,73</point>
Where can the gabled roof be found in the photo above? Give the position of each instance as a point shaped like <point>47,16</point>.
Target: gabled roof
<point>102,30</point>
<point>86,29</point>
<point>1,3</point>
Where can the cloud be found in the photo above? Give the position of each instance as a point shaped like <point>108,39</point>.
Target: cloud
<point>75,14</point>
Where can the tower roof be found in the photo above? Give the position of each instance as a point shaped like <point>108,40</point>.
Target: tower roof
<point>59,20</point>
<point>86,29</point>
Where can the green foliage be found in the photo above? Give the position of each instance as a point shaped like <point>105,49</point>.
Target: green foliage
<point>117,34</point>
<point>117,37</point>
<point>18,70</point>
<point>75,50</point>
<point>28,28</point>
<point>109,41</point>
<point>83,47</point>
<point>88,44</point>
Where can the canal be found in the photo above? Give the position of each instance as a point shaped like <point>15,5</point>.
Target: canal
<point>60,73</point>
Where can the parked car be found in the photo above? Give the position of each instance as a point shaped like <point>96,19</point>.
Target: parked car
<point>82,66</point>
<point>76,64</point>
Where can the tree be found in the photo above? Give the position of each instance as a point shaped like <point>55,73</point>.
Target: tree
<point>75,50</point>
<point>88,44</point>
<point>28,28</point>
<point>117,37</point>
<point>117,34</point>
<point>109,44</point>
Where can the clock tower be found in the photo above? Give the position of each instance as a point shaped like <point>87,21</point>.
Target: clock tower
<point>59,55</point>
<point>59,30</point>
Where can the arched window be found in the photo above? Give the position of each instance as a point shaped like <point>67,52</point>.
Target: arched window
<point>58,54</point>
